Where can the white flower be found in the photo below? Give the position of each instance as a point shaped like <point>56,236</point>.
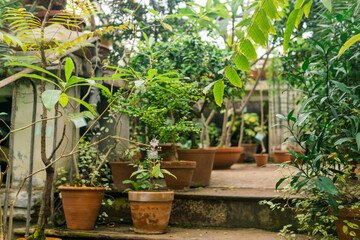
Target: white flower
<point>154,143</point>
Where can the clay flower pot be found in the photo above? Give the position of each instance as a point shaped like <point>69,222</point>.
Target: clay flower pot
<point>183,170</point>
<point>350,215</point>
<point>261,159</point>
<point>150,211</point>
<point>226,157</point>
<point>204,159</point>
<point>81,206</point>
<point>121,171</point>
<point>167,152</point>
<point>281,156</point>
<point>248,152</point>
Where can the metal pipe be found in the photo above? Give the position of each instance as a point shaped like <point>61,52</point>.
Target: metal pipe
<point>11,154</point>
<point>31,164</point>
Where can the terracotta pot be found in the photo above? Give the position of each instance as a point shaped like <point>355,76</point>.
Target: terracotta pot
<point>248,152</point>
<point>226,157</point>
<point>204,159</point>
<point>150,211</point>
<point>121,171</point>
<point>281,156</point>
<point>350,215</point>
<point>298,152</point>
<point>81,206</point>
<point>183,170</point>
<point>261,159</point>
<point>167,152</point>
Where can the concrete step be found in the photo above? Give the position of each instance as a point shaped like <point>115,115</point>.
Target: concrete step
<point>174,233</point>
<point>214,207</point>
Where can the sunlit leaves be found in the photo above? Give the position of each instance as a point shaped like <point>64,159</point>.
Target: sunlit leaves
<point>348,43</point>
<point>327,4</point>
<point>248,49</point>
<point>69,67</point>
<point>233,77</point>
<point>242,62</point>
<point>219,92</point>
<point>257,35</point>
<point>290,24</point>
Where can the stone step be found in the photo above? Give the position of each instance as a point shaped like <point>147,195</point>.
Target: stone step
<point>214,207</point>
<point>174,233</point>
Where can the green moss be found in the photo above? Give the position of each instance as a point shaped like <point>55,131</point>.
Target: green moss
<point>39,234</point>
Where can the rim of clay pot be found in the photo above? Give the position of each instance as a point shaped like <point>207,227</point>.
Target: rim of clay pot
<point>146,196</point>
<point>120,163</point>
<point>230,149</point>
<point>259,154</point>
<point>198,151</point>
<point>169,144</point>
<point>282,151</point>
<point>178,164</point>
<point>68,188</point>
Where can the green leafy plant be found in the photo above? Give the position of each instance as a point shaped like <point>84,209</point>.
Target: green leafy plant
<point>149,170</point>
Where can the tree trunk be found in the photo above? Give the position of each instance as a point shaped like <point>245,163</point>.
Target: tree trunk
<point>225,121</point>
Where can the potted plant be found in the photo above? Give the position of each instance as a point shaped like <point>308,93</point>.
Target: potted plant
<point>122,167</point>
<point>262,158</point>
<point>161,103</point>
<point>150,208</point>
<point>249,127</point>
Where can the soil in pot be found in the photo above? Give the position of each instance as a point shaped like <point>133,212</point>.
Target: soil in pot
<point>248,152</point>
<point>226,157</point>
<point>261,159</point>
<point>121,171</point>
<point>150,211</point>
<point>204,159</point>
<point>281,156</point>
<point>183,170</point>
<point>81,206</point>
<point>167,152</point>
<point>352,216</point>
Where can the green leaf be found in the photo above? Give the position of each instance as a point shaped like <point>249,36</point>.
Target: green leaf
<point>302,117</point>
<point>263,21</point>
<point>290,24</point>
<point>242,62</point>
<point>282,117</point>
<point>105,89</point>
<point>279,182</point>
<point>64,99</point>
<point>327,4</point>
<point>156,172</point>
<point>69,67</point>
<point>233,77</point>
<point>342,140</point>
<point>333,204</point>
<point>167,26</point>
<point>207,88</point>
<point>325,184</point>
<point>153,12</point>
<point>36,68</point>
<point>299,4</point>
<point>49,98</point>
<point>348,43</point>
<point>152,72</point>
<point>85,104</point>
<point>342,86</point>
<point>219,92</point>
<point>257,35</point>
<point>40,78</point>
<point>358,141</point>
<point>244,22</point>
<point>248,49</point>
<point>306,64</point>
<point>307,8</point>
<point>270,9</point>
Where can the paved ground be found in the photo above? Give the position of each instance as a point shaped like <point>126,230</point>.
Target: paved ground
<point>241,180</point>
